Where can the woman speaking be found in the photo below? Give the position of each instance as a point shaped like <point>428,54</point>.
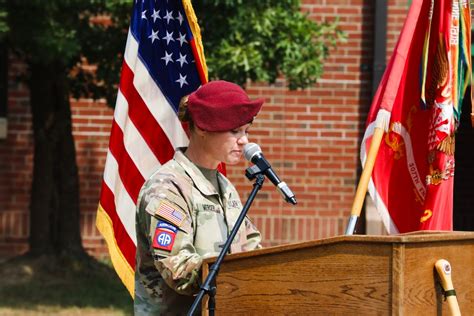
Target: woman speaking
<point>187,208</point>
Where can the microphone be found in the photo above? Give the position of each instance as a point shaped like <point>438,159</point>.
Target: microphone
<point>253,153</point>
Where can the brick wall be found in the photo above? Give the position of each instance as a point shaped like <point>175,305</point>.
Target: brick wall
<point>91,129</point>
<point>311,137</point>
<point>16,158</point>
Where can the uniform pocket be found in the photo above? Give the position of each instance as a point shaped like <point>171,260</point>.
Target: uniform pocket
<point>211,227</point>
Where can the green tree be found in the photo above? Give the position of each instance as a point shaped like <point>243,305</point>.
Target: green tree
<point>243,39</point>
<point>3,17</point>
<point>44,34</point>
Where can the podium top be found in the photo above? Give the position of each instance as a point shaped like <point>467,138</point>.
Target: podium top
<point>406,238</point>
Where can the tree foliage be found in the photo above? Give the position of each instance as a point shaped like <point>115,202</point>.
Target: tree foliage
<point>261,40</point>
<point>44,31</point>
<point>3,19</point>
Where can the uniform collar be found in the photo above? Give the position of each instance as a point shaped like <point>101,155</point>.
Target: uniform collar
<point>199,180</point>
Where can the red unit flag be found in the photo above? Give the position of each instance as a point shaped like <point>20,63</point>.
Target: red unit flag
<point>418,103</point>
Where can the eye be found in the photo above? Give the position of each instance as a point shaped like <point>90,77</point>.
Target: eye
<point>240,132</point>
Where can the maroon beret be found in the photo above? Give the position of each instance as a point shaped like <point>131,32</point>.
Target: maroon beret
<point>220,106</point>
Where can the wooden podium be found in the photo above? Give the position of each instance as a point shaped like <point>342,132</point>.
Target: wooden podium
<point>347,275</point>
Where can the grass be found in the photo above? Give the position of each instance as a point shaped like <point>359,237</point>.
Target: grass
<point>48,285</point>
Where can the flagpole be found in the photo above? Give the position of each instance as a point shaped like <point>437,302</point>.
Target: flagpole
<point>381,126</point>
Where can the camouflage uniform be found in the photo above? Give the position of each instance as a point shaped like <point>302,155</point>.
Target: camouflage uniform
<point>181,219</point>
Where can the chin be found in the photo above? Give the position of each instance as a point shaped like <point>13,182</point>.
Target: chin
<point>233,161</point>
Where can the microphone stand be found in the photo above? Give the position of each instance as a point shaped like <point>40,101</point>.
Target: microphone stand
<point>209,285</point>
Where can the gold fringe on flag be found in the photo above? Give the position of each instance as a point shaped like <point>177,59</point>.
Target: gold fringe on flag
<point>447,145</point>
<point>123,269</point>
<point>193,24</point>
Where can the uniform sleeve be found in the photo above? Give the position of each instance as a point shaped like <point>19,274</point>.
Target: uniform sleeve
<point>254,237</point>
<point>171,236</point>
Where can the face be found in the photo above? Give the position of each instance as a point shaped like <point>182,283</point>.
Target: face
<point>227,147</point>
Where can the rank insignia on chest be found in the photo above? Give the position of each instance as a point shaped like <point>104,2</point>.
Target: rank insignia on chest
<point>164,236</point>
<point>170,213</point>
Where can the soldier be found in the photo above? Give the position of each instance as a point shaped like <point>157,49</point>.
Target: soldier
<point>186,210</point>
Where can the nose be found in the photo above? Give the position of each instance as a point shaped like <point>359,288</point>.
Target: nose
<point>244,140</point>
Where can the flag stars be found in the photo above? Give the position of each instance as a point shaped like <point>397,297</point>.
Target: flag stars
<point>144,15</point>
<point>167,58</point>
<point>154,36</point>
<point>181,39</point>
<point>180,18</point>
<point>168,37</point>
<point>168,16</point>
<point>156,15</point>
<point>182,60</point>
<point>182,80</point>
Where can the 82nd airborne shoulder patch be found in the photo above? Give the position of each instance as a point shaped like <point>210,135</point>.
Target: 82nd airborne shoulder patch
<point>164,236</point>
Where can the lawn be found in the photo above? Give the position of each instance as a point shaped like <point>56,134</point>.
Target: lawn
<point>49,285</point>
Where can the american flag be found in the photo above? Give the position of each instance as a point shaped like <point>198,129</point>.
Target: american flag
<point>163,62</point>
<point>168,212</point>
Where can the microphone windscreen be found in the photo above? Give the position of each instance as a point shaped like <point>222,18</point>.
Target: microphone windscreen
<point>250,150</point>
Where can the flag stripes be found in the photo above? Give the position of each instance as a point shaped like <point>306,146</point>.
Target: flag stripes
<point>132,139</point>
<point>122,236</point>
<point>131,178</point>
<point>121,200</point>
<point>141,116</point>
